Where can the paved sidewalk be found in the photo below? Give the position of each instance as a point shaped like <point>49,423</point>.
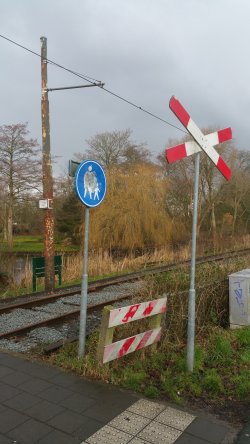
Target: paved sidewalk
<point>41,404</point>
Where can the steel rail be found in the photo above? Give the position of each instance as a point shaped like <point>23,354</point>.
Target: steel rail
<point>57,319</point>
<point>56,345</point>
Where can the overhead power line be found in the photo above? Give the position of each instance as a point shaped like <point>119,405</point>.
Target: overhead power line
<point>83,76</point>
<point>95,82</point>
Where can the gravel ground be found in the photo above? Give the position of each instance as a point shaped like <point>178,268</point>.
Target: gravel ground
<point>46,335</point>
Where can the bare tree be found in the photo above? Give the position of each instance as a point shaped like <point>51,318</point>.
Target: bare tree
<point>181,176</point>
<point>136,154</point>
<point>19,168</point>
<point>114,148</point>
<point>236,193</point>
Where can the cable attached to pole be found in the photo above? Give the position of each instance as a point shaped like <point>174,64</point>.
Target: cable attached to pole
<point>94,82</point>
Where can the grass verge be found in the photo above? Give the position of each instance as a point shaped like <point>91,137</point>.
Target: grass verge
<point>32,244</point>
<point>221,371</point>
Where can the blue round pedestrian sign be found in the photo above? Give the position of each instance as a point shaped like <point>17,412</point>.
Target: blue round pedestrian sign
<point>90,183</point>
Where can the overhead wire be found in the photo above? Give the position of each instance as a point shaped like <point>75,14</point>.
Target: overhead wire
<point>83,76</point>
<point>93,81</point>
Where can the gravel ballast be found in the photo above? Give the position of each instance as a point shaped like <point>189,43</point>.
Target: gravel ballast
<point>46,335</point>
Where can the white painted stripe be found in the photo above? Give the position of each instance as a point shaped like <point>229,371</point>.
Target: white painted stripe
<point>192,148</point>
<point>213,138</point>
<point>202,141</point>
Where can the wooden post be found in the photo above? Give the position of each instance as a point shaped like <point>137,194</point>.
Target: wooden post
<point>106,333</point>
<point>49,249</point>
<point>155,322</point>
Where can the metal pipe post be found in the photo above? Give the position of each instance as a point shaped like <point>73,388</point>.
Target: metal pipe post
<point>84,289</point>
<point>49,251</point>
<point>192,292</point>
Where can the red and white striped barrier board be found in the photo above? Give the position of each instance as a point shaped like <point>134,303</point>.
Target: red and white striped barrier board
<point>129,345</point>
<point>108,351</point>
<point>186,149</point>
<point>134,312</point>
<point>199,137</point>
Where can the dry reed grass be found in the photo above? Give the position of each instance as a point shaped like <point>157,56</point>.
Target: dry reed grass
<point>101,263</point>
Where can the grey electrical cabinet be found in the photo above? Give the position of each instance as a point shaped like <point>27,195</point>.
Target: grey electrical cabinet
<point>239,298</point>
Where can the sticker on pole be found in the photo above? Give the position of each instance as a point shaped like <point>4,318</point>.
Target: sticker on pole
<point>90,183</point>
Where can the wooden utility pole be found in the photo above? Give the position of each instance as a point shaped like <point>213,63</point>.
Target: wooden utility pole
<point>47,177</point>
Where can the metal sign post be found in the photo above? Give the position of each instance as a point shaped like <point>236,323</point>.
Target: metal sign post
<point>84,288</point>
<point>90,188</point>
<point>201,143</point>
<point>192,291</point>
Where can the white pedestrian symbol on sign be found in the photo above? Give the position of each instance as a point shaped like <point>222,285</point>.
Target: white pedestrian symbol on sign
<point>91,184</point>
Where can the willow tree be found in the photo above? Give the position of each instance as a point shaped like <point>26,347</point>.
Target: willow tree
<point>19,169</point>
<point>133,213</point>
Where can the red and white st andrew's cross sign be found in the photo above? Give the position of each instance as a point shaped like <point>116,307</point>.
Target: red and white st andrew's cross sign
<point>202,142</point>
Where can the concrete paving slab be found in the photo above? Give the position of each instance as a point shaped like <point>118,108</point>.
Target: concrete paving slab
<point>157,433</point>
<point>87,429</point>
<point>4,440</point>
<point>57,437</point>
<point>55,394</point>
<point>42,371</point>
<point>86,388</point>
<point>146,408</point>
<point>77,403</point>
<point>202,428</point>
<point>129,422</point>
<point>35,385</point>
<point>109,435</point>
<point>37,370</point>
<point>44,410</point>
<point>175,418</point>
<point>11,419</point>
<point>30,432</point>
<point>22,401</point>
<point>64,379</point>
<point>188,439</point>
<point>16,378</point>
<point>103,411</point>
<point>67,421</point>
<point>4,371</point>
<point>7,392</point>
<point>138,441</point>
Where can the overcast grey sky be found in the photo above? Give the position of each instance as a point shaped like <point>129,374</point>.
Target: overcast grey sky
<point>144,50</point>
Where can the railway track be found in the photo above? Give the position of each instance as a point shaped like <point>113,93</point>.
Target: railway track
<point>20,324</point>
<point>49,304</point>
<point>40,298</point>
